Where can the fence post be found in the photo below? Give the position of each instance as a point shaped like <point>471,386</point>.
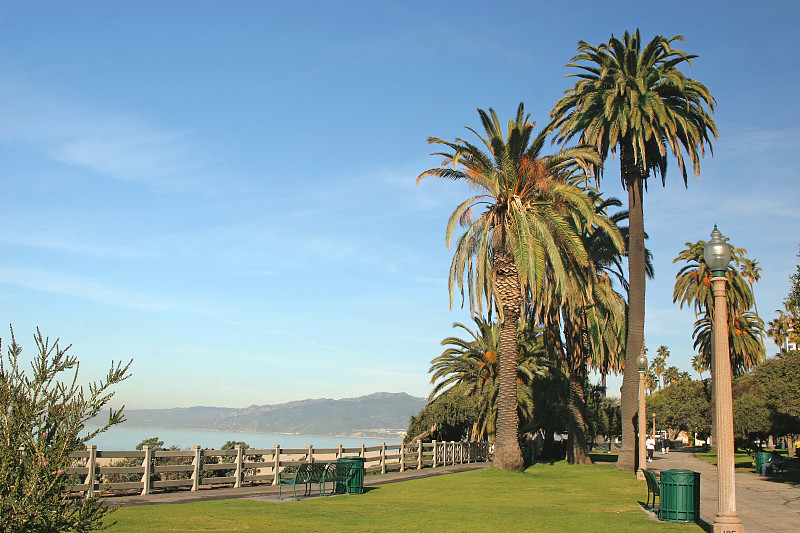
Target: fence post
<point>196,464</point>
<point>239,458</point>
<point>383,457</point>
<point>403,456</point>
<point>362,452</point>
<point>339,451</point>
<point>419,455</point>
<point>147,463</point>
<point>435,450</point>
<point>91,463</point>
<point>276,470</point>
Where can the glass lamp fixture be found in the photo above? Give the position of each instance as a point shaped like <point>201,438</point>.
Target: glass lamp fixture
<point>717,253</point>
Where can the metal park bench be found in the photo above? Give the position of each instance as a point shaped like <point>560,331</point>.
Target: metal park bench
<point>306,474</point>
<point>780,465</point>
<point>653,486</point>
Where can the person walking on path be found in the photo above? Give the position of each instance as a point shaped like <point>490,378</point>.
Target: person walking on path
<point>650,444</point>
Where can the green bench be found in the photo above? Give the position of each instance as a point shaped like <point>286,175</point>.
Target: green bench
<point>653,486</point>
<point>780,465</point>
<point>305,474</point>
<point>338,473</point>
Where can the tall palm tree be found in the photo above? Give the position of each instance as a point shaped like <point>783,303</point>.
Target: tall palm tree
<point>745,334</point>
<point>693,281</point>
<point>745,328</point>
<point>752,273</point>
<point>698,366</point>
<point>780,328</point>
<point>633,98</point>
<point>659,364</point>
<point>521,222</point>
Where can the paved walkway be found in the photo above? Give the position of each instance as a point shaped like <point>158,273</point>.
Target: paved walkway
<point>763,505</point>
<point>264,492</point>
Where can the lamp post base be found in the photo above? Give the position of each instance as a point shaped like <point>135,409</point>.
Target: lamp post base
<point>639,474</point>
<point>727,524</point>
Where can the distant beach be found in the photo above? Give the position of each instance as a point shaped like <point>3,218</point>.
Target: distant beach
<point>126,438</point>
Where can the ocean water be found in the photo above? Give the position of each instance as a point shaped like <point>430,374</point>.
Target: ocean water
<point>121,437</point>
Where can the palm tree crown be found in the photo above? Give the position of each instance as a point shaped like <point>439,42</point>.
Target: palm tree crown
<point>527,206</point>
<point>637,99</point>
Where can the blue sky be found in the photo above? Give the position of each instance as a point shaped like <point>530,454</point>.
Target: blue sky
<point>224,191</point>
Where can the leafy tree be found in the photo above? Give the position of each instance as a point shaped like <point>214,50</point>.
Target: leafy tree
<point>682,405</point>
<point>779,379</point>
<point>550,409</point>
<point>449,417</point>
<point>153,442</point>
<point>523,222</point>
<point>634,98</point>
<point>751,419</point>
<point>602,414</point>
<point>43,414</point>
<point>231,445</point>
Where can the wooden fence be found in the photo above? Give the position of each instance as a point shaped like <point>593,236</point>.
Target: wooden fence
<point>151,470</point>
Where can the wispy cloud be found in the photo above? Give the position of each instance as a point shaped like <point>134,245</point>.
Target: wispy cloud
<point>86,288</point>
<point>279,332</point>
<point>108,143</point>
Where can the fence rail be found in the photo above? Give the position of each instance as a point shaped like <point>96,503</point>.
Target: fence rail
<point>148,470</point>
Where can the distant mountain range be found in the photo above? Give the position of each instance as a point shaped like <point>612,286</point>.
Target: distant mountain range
<point>381,414</point>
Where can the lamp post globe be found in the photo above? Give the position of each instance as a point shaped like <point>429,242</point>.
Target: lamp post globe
<point>642,360</point>
<point>717,253</point>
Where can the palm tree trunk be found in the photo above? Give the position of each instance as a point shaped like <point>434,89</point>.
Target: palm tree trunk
<point>507,453</point>
<point>577,453</point>
<point>629,393</point>
<point>577,348</point>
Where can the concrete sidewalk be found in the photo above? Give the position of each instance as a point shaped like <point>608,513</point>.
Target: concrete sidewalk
<point>763,505</point>
<point>264,492</point>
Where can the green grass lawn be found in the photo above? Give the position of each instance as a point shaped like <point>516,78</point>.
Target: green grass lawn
<point>741,460</point>
<point>546,497</point>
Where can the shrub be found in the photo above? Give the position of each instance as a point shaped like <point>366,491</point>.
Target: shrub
<point>43,414</point>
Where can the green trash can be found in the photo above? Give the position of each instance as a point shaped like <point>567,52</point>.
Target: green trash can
<point>680,496</point>
<point>355,477</point>
<point>761,459</point>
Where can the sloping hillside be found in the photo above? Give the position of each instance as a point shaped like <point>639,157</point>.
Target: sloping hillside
<point>378,414</point>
